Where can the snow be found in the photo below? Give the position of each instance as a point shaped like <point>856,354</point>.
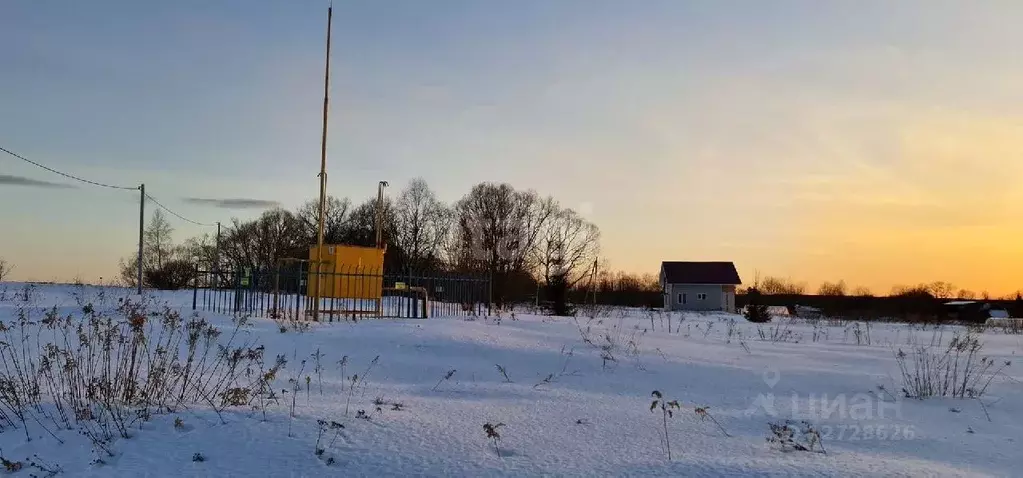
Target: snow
<point>588,419</point>
<point>998,314</point>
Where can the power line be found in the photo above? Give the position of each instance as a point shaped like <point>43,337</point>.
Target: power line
<point>66,175</point>
<point>94,183</point>
<point>179,216</point>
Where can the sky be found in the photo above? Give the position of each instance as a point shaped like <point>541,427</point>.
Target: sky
<point>877,142</point>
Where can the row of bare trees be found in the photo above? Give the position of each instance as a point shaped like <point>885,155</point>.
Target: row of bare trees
<point>939,289</point>
<point>515,236</point>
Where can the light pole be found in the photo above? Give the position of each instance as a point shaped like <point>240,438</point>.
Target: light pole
<point>380,214</point>
<point>323,172</point>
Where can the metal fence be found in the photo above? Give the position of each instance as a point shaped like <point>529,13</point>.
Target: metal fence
<point>347,292</point>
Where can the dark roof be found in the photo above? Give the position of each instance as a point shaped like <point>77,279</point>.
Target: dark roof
<point>722,273</point>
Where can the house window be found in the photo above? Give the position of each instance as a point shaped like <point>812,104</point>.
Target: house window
<point>701,296</point>
<point>681,298</point>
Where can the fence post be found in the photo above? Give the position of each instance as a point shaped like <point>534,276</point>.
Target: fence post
<point>195,286</point>
<point>490,298</point>
<point>408,292</point>
<point>277,288</point>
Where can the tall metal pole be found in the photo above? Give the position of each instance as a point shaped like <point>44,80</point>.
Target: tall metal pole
<point>323,171</point>
<point>380,214</point>
<point>142,219</point>
<point>216,264</point>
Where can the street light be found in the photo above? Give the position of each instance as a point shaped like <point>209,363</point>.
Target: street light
<point>380,213</point>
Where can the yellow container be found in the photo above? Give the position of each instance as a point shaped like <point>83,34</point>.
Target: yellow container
<point>347,272</point>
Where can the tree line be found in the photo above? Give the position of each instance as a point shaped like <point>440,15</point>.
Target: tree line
<point>770,285</point>
<point>922,301</point>
<point>518,238</point>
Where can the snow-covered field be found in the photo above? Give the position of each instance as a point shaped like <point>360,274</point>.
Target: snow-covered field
<point>574,397</point>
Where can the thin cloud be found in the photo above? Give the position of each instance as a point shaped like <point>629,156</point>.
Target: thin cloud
<point>7,179</point>
<point>234,203</point>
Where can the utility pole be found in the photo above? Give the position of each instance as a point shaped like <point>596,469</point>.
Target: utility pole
<point>323,171</point>
<point>216,264</point>
<point>142,220</point>
<point>380,214</point>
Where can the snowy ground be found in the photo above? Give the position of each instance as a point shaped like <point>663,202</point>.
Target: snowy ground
<point>591,417</point>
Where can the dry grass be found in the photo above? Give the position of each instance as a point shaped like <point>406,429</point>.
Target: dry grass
<point>957,370</point>
<point>104,373</point>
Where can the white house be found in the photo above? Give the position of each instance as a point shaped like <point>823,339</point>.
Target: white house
<point>699,285</point>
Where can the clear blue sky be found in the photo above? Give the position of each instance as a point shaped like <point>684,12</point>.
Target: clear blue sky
<point>818,140</point>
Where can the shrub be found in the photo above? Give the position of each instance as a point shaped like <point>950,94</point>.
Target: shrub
<point>612,340</point>
<point>756,310</point>
<point>957,371</point>
<point>778,333</point>
<point>557,289</point>
<point>1016,309</point>
<point>102,374</point>
<point>796,436</point>
<point>172,275</point>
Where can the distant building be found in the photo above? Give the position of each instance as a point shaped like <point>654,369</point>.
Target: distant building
<point>972,311</point>
<point>699,285</point>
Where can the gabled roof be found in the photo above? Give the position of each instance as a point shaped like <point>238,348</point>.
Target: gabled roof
<point>716,273</point>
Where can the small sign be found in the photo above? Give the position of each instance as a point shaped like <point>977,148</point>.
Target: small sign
<point>439,289</point>
<point>245,281</point>
<point>399,285</point>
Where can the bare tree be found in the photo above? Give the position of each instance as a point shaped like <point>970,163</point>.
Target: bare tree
<point>862,292</point>
<point>5,269</point>
<point>498,227</point>
<point>778,286</point>
<point>537,214</point>
<point>566,247</point>
<point>260,244</point>
<point>157,245</point>
<point>360,229</point>
<point>335,219</point>
<point>832,288</point>
<point>941,289</point>
<point>157,249</point>
<point>421,223</point>
<point>200,250</point>
<point>966,294</point>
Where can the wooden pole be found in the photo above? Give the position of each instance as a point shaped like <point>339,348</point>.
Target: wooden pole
<point>142,220</point>
<point>380,214</point>
<point>323,170</point>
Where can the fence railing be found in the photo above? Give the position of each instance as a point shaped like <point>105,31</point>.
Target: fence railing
<point>346,292</point>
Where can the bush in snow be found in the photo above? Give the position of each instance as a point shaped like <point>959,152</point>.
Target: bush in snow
<point>957,371</point>
<point>557,290</point>
<point>104,374</point>
<point>800,436</point>
<point>756,310</point>
<point>174,274</point>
